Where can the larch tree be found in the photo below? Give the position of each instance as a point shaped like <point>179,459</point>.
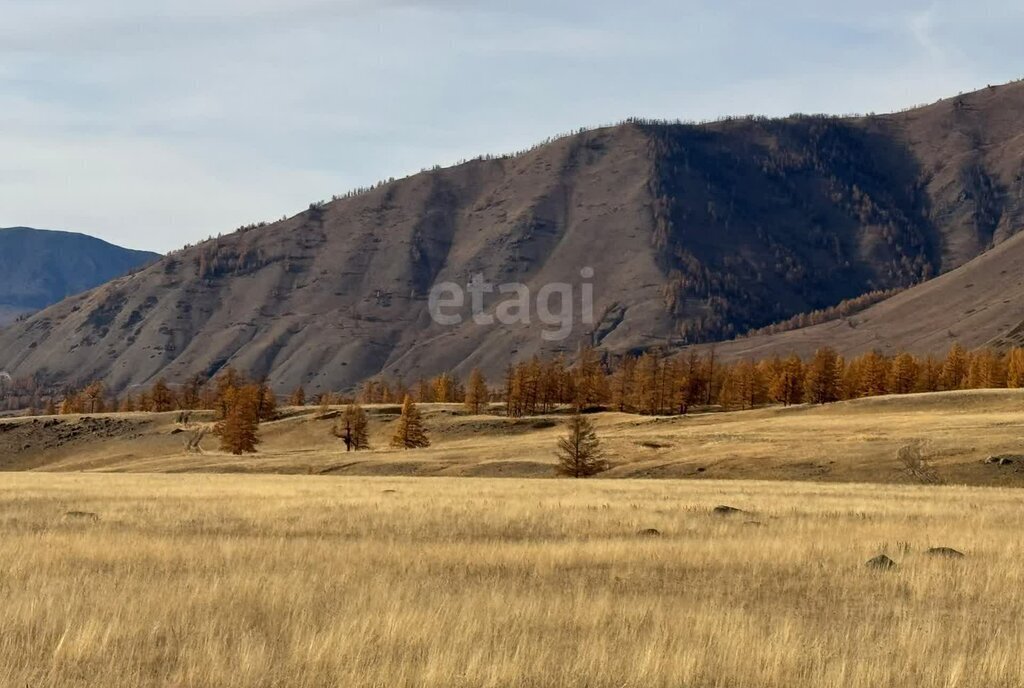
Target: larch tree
<point>476,392</point>
<point>579,452</point>
<point>190,397</point>
<point>787,385</point>
<point>929,375</point>
<point>162,397</point>
<point>266,401</point>
<point>1015,368</point>
<point>92,398</point>
<point>903,375</point>
<point>692,385</point>
<point>353,428</point>
<point>955,369</point>
<point>588,379</point>
<point>823,377</point>
<point>238,429</point>
<point>874,374</point>
<point>410,432</point>
<point>424,391</point>
<point>227,381</point>
<point>298,397</point>
<point>622,384</point>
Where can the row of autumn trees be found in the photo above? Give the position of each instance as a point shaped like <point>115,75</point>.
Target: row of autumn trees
<point>653,384</point>
<point>648,384</point>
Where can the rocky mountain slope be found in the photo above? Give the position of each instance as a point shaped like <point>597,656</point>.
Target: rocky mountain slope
<point>693,233</point>
<point>39,268</point>
<point>979,304</point>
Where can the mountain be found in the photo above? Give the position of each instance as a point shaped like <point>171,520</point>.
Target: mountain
<point>977,305</point>
<point>692,233</point>
<point>38,268</point>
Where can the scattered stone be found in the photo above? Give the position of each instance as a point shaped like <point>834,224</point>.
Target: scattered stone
<point>947,552</point>
<point>177,431</point>
<point>82,515</point>
<point>881,562</point>
<point>756,524</point>
<point>389,491</point>
<point>1004,459</point>
<point>649,532</point>
<point>724,510</point>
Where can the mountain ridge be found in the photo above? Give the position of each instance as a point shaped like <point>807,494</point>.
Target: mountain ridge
<point>39,268</point>
<point>694,232</point>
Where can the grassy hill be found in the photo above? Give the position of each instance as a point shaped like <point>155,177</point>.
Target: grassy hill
<point>853,441</point>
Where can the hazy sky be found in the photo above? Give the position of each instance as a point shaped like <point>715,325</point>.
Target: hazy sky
<point>156,123</point>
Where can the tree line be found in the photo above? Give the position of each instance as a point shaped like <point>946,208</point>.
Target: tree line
<point>645,384</point>
<point>675,385</point>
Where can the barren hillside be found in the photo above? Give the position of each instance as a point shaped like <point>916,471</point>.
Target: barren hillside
<point>694,233</point>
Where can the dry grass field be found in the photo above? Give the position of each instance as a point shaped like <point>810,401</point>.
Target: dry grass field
<point>853,441</point>
<point>252,580</point>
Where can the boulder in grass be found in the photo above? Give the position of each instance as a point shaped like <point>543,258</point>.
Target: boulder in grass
<point>649,532</point>
<point>881,562</point>
<point>724,510</point>
<point>947,552</point>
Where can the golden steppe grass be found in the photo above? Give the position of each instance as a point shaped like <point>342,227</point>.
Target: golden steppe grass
<point>853,441</point>
<point>295,581</point>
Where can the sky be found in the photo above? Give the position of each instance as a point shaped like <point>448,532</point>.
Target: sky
<point>159,123</point>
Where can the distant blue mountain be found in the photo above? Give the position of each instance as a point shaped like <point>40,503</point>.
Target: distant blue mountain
<point>38,267</point>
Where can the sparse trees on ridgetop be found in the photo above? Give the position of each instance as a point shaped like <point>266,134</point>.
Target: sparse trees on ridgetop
<point>579,452</point>
<point>410,433</point>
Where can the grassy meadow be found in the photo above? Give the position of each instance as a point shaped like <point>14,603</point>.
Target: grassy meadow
<point>250,580</point>
<point>855,441</point>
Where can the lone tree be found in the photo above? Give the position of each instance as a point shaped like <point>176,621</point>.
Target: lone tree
<point>476,393</point>
<point>238,428</point>
<point>579,453</point>
<point>353,428</point>
<point>266,401</point>
<point>410,433</point>
<point>298,397</point>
